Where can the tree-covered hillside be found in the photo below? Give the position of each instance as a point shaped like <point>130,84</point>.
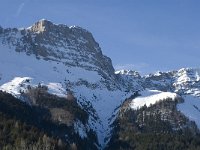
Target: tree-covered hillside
<point>37,126</point>
<point>158,127</point>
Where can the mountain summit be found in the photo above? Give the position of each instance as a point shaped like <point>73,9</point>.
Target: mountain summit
<point>72,46</point>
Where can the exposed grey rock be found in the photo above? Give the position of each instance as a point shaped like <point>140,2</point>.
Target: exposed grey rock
<point>160,81</point>
<point>184,81</point>
<point>73,46</point>
<point>1,30</point>
<point>130,79</point>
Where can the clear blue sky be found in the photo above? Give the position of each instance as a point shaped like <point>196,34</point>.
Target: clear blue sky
<point>143,35</point>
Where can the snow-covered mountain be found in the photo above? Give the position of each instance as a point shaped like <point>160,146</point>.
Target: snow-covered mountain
<point>129,79</point>
<point>68,59</point>
<point>63,59</point>
<point>183,81</point>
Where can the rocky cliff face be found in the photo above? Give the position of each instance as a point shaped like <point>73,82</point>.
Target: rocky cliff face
<point>183,81</point>
<point>72,46</point>
<point>130,79</point>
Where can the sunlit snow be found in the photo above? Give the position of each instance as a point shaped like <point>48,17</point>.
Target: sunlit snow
<point>191,108</point>
<point>150,97</point>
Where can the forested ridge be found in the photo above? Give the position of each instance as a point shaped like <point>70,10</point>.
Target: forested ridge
<point>158,127</point>
<point>28,127</point>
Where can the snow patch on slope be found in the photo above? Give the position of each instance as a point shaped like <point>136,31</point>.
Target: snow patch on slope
<point>19,84</point>
<point>80,129</point>
<point>150,97</point>
<point>16,86</point>
<point>191,108</point>
<point>56,89</point>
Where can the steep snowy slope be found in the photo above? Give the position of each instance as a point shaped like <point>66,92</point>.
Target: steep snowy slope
<point>161,81</point>
<point>191,108</point>
<point>130,79</point>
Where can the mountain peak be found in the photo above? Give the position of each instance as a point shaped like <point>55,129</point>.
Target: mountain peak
<point>189,70</point>
<point>45,21</point>
<point>41,26</point>
<point>71,46</point>
<point>46,25</point>
<point>128,72</point>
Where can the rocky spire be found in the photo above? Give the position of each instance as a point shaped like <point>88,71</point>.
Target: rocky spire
<point>41,26</point>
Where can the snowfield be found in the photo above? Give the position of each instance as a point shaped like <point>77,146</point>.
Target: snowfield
<point>16,86</point>
<point>150,97</point>
<point>190,107</point>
